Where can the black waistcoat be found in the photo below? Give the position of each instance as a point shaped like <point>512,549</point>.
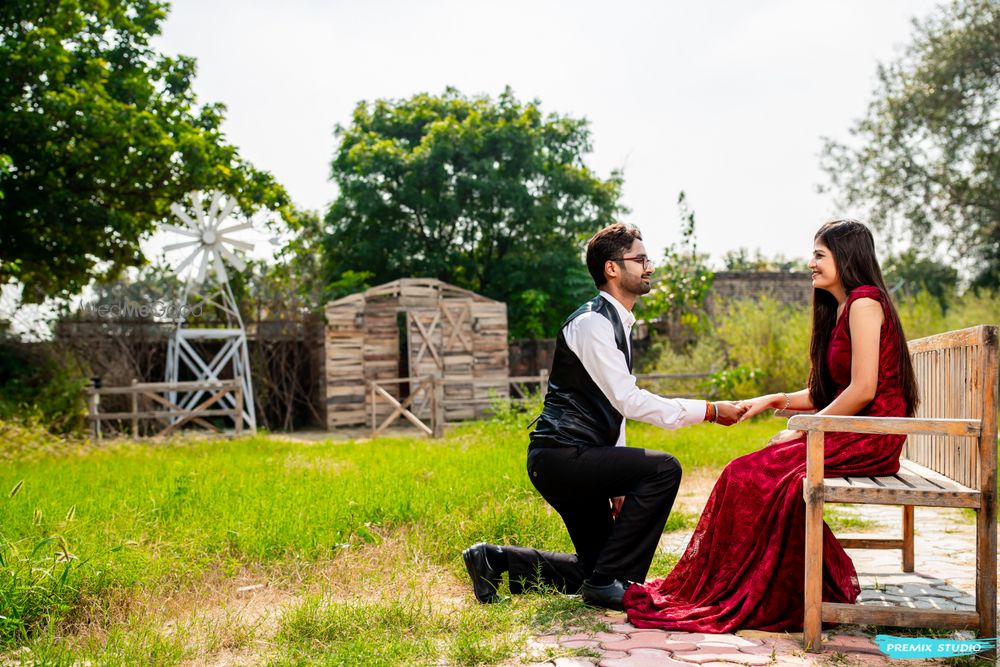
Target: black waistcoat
<point>576,412</point>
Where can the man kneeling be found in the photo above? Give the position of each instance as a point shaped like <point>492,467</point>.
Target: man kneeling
<point>614,500</point>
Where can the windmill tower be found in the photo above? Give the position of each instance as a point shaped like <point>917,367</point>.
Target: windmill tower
<point>209,246</point>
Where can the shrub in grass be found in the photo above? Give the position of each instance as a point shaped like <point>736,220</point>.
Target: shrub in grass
<point>35,585</point>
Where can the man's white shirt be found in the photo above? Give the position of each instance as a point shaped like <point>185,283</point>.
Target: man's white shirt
<point>591,337</point>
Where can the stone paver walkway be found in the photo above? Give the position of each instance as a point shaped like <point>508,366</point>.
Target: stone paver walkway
<point>944,579</point>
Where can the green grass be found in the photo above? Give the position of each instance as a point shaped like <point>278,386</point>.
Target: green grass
<point>841,521</point>
<point>95,536</point>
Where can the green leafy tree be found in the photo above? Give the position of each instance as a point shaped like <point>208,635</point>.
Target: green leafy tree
<point>103,134</point>
<point>741,259</point>
<point>490,195</point>
<point>911,273</point>
<point>924,159</point>
<point>682,281</point>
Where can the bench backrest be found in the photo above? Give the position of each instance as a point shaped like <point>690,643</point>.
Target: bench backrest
<point>957,377</point>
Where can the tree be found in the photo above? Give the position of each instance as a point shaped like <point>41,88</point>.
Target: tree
<point>490,195</point>
<point>103,134</point>
<point>741,259</point>
<point>682,282</point>
<point>924,158</point>
<point>911,273</point>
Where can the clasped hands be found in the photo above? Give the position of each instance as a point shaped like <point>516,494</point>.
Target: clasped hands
<point>754,406</point>
<point>728,413</point>
<point>731,412</point>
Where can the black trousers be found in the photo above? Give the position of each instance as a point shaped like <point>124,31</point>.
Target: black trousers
<point>578,483</point>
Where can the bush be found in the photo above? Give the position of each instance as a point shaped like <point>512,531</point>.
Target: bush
<point>761,346</point>
<point>752,347</point>
<point>926,315</point>
<point>703,355</point>
<point>770,340</point>
<point>41,383</point>
<point>26,438</point>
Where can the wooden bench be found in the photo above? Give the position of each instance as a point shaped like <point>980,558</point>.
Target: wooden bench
<point>949,460</point>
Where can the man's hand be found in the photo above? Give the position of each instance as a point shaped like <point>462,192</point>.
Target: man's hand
<point>729,412</point>
<point>616,506</point>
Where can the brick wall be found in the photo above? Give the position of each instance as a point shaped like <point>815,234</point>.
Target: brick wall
<point>793,288</point>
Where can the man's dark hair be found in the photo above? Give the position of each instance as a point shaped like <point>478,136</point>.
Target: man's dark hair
<point>610,243</point>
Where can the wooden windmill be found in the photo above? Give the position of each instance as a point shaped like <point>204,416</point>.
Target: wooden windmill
<point>209,245</point>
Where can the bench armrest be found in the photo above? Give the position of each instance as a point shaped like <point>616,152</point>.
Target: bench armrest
<point>968,428</point>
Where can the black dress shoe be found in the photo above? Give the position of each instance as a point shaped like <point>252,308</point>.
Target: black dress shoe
<point>485,578</point>
<point>609,597</point>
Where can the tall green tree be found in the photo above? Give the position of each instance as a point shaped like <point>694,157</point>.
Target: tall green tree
<point>682,280</point>
<point>911,273</point>
<point>103,134</point>
<point>491,195</point>
<point>924,159</point>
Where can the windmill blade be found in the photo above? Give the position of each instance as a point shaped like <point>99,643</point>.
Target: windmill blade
<point>220,268</point>
<point>180,230</point>
<point>242,245</point>
<point>184,217</point>
<point>177,246</point>
<point>236,228</point>
<point>187,260</point>
<point>233,259</point>
<point>203,267</point>
<point>213,208</point>
<point>230,205</point>
<point>196,205</point>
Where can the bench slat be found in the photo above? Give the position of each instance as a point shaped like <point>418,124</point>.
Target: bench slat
<point>870,543</point>
<point>903,481</point>
<point>898,616</point>
<point>892,482</point>
<point>911,468</point>
<point>884,496</point>
<point>918,482</point>
<point>913,485</point>
<point>851,482</point>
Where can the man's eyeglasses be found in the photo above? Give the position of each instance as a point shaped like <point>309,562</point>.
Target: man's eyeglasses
<point>639,259</point>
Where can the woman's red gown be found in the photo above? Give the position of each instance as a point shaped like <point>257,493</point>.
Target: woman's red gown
<point>745,563</point>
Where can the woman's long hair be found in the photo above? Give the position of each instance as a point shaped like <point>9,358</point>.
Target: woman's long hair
<point>853,250</point>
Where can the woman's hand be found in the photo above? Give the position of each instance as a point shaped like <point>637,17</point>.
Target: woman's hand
<point>784,436</point>
<point>755,406</point>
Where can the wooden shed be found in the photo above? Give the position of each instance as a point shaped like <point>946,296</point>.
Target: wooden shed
<point>402,332</point>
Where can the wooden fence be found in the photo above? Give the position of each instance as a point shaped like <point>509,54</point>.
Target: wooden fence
<point>151,401</point>
<point>429,391</point>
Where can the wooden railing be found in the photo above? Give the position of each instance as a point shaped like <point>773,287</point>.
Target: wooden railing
<point>401,409</point>
<point>146,403</point>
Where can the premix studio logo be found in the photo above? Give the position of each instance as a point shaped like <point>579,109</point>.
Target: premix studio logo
<point>932,647</point>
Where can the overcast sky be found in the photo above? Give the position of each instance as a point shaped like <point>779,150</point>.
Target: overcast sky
<point>725,100</point>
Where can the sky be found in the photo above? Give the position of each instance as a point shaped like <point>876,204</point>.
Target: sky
<point>727,101</point>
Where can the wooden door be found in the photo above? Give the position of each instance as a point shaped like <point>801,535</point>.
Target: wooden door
<point>458,359</point>
<point>424,337</point>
